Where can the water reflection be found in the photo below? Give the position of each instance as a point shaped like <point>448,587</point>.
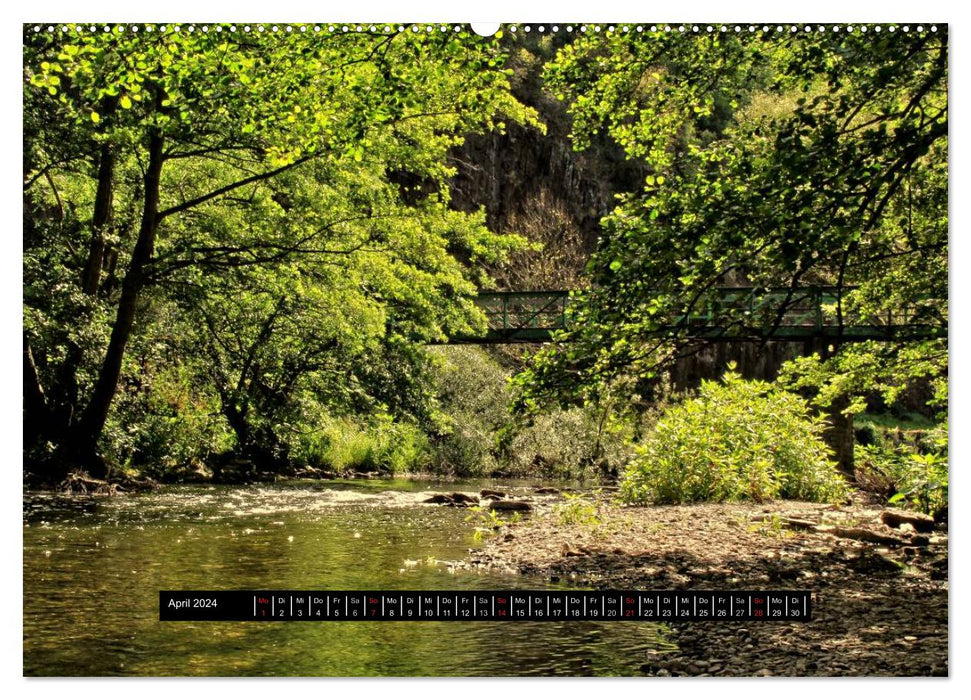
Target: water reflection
<point>93,567</point>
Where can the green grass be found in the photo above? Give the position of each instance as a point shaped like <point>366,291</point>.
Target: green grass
<point>344,444</point>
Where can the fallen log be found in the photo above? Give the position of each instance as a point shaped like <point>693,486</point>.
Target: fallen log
<point>864,535</point>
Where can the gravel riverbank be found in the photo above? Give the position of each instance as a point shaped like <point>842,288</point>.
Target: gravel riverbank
<point>880,592</point>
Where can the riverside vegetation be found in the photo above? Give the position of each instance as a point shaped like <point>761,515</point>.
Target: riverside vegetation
<point>245,254</point>
<point>239,257</point>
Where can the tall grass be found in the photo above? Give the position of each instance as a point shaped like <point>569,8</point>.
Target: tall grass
<point>345,444</point>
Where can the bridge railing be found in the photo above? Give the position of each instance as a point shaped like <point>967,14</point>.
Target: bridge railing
<point>725,312</point>
<point>509,311</point>
<point>808,307</point>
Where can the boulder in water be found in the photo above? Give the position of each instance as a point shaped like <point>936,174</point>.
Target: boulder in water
<point>453,499</point>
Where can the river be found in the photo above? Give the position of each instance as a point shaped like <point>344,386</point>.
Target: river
<point>93,566</point>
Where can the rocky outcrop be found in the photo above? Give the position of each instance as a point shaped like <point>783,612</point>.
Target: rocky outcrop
<point>898,518</point>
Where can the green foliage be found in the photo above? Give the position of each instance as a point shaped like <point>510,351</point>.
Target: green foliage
<point>166,424</point>
<point>487,520</point>
<point>275,210</point>
<point>568,444</point>
<point>577,510</point>
<point>871,368</point>
<point>911,475</point>
<point>776,161</point>
<point>924,483</point>
<point>897,421</point>
<point>294,231</point>
<point>345,444</point>
<point>736,440</point>
<point>477,436</point>
<point>472,393</point>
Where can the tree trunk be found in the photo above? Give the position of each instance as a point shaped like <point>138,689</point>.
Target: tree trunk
<point>840,435</point>
<point>36,412</point>
<point>841,438</point>
<point>96,413</point>
<point>91,279</point>
<point>237,421</point>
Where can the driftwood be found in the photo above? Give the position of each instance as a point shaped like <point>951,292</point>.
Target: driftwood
<point>864,535</point>
<point>82,483</point>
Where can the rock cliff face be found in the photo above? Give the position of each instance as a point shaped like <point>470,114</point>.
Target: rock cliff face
<point>524,177</point>
<point>536,185</point>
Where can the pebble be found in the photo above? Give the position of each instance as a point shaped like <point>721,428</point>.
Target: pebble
<point>862,599</point>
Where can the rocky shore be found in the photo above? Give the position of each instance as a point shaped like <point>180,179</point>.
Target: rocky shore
<point>878,577</point>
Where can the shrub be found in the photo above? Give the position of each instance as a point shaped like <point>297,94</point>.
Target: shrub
<point>473,394</point>
<point>911,475</point>
<point>577,510</point>
<point>568,444</point>
<point>923,483</point>
<point>735,440</point>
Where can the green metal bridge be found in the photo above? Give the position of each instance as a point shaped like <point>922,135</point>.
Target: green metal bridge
<point>533,317</point>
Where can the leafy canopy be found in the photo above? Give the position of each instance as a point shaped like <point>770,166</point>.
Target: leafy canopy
<point>777,161</point>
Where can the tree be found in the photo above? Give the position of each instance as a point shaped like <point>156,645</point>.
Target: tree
<point>142,151</point>
<point>339,327</point>
<point>779,160</point>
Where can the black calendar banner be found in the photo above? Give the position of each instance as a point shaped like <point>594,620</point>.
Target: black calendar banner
<point>484,606</point>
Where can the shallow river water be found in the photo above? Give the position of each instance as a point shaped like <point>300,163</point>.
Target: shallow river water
<point>93,567</point>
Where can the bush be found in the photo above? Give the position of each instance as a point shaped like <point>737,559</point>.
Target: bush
<point>166,424</point>
<point>465,449</point>
<point>735,440</point>
<point>473,394</point>
<point>568,444</point>
<point>911,475</point>
<point>478,437</point>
